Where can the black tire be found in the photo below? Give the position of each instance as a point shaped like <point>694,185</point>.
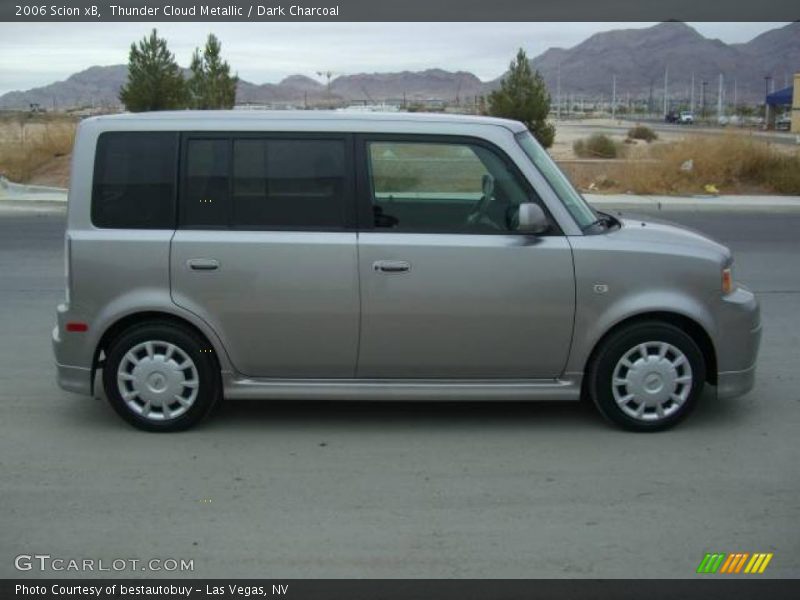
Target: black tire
<point>618,344</point>
<point>206,372</point>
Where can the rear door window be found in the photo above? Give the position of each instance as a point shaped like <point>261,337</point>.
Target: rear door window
<point>205,198</point>
<point>280,183</point>
<point>255,183</point>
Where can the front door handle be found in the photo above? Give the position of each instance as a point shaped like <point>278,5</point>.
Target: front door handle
<point>391,266</point>
<point>203,264</point>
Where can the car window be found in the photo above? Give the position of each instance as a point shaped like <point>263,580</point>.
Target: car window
<point>289,183</point>
<point>134,180</point>
<point>253,183</point>
<point>442,187</point>
<point>205,199</point>
<point>572,200</point>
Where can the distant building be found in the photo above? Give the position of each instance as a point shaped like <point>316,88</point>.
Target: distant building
<point>383,107</point>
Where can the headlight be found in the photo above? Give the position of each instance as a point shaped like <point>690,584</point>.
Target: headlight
<point>728,285</point>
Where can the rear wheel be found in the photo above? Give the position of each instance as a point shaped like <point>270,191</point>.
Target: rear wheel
<point>159,376</point>
<point>647,376</point>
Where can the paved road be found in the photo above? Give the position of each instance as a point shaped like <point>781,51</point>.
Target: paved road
<point>400,490</point>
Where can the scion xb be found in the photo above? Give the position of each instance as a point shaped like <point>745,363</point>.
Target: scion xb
<point>324,255</point>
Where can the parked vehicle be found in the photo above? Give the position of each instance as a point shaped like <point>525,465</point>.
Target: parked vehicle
<point>686,118</point>
<point>319,255</point>
<point>672,116</point>
<point>783,123</point>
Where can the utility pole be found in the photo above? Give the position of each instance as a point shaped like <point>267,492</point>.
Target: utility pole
<point>666,79</point>
<point>558,92</point>
<point>735,96</point>
<point>719,98</point>
<point>691,95</point>
<point>767,79</point>
<point>703,105</point>
<point>613,97</point>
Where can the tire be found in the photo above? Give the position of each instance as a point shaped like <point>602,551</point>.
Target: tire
<point>649,393</point>
<point>160,376</point>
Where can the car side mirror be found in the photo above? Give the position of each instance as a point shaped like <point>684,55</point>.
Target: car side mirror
<point>532,218</point>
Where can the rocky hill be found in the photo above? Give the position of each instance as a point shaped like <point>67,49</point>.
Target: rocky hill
<point>637,57</point>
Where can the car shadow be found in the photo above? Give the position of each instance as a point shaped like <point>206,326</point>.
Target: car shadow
<point>711,413</point>
<point>429,414</point>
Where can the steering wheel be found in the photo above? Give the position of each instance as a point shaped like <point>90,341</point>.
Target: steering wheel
<point>478,215</point>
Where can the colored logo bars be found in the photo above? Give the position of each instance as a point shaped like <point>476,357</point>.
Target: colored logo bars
<point>737,562</point>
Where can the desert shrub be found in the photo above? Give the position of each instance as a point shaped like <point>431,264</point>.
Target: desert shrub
<point>641,132</point>
<point>596,146</point>
<point>24,147</point>
<point>732,163</point>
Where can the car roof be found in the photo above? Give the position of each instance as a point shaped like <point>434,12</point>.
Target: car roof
<point>303,119</point>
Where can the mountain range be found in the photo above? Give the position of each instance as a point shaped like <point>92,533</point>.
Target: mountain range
<point>636,58</point>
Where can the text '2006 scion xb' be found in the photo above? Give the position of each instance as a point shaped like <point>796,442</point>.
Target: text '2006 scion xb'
<point>319,255</point>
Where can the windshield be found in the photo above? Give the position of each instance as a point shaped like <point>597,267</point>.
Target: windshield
<point>577,206</point>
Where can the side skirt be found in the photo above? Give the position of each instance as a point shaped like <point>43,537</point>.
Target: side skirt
<point>401,389</point>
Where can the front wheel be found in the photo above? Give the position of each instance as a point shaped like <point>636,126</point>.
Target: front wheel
<point>647,376</point>
<point>161,377</point>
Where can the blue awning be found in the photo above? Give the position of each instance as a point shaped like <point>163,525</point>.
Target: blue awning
<point>780,98</point>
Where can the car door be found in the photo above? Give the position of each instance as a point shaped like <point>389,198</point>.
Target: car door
<point>449,289</point>
<point>266,253</point>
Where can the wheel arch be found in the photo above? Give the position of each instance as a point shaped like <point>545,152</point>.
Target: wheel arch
<point>694,329</point>
<point>123,323</point>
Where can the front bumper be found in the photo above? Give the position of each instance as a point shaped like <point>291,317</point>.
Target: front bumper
<point>739,338</point>
<point>735,383</point>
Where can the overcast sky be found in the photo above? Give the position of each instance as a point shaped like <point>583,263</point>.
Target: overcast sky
<point>35,54</point>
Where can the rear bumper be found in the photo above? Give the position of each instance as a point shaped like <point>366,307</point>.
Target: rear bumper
<point>70,378</point>
<point>74,379</point>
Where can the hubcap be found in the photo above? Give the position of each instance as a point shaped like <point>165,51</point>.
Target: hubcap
<point>652,381</point>
<point>157,380</point>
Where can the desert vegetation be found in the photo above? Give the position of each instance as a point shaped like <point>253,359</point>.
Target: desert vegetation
<point>597,146</point>
<point>731,163</point>
<point>642,132</point>
<point>29,144</point>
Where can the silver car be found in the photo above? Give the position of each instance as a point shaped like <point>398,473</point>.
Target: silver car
<point>316,255</point>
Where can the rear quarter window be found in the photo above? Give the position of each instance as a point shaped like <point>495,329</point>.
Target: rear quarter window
<point>134,180</point>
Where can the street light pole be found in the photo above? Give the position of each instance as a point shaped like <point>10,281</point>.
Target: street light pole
<point>558,93</point>
<point>767,79</point>
<point>613,97</point>
<point>703,105</point>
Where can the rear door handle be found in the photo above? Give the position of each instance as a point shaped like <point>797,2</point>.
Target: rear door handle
<point>203,264</point>
<point>391,266</point>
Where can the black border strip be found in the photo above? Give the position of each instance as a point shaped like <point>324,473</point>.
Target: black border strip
<point>708,588</point>
<point>407,10</point>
